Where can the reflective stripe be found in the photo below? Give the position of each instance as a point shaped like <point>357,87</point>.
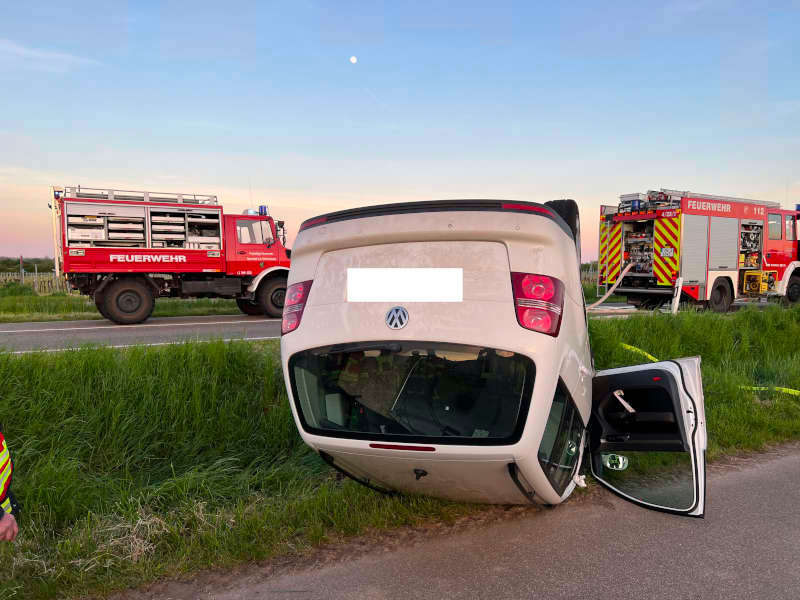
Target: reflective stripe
<point>6,505</point>
<point>614,252</point>
<point>4,477</point>
<point>602,255</point>
<point>666,249</point>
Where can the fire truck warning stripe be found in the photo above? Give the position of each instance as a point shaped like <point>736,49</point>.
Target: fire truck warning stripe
<point>661,276</point>
<point>666,250</point>
<point>603,254</point>
<point>672,225</point>
<point>669,237</point>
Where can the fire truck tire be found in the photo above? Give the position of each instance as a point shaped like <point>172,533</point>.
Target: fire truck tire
<point>249,307</point>
<point>793,290</point>
<point>721,296</point>
<point>128,301</point>
<point>99,302</point>
<point>270,296</point>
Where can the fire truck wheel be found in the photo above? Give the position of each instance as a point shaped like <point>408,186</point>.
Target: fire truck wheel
<point>270,297</point>
<point>249,307</point>
<point>793,290</point>
<point>721,296</point>
<point>99,302</point>
<point>128,301</point>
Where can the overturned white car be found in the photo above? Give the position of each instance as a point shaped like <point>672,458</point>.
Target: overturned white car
<point>441,348</point>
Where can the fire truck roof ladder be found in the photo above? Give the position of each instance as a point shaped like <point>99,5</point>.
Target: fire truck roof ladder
<point>129,195</point>
<point>686,194</point>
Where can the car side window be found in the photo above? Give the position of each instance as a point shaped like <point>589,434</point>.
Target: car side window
<point>791,234</point>
<point>774,226</point>
<point>249,231</point>
<point>559,449</point>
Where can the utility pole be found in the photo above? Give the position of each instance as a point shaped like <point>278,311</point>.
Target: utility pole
<point>21,271</point>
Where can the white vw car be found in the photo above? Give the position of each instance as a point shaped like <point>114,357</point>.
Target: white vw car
<point>441,348</point>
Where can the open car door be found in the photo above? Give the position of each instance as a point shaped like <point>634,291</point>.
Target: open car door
<point>647,435</point>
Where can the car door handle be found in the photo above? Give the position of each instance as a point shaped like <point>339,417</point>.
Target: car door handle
<point>242,251</point>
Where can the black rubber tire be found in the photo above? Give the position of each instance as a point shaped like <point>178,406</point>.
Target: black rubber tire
<point>793,290</point>
<point>249,307</point>
<point>652,303</point>
<point>128,301</point>
<point>721,296</point>
<point>568,210</point>
<point>270,296</point>
<point>99,302</point>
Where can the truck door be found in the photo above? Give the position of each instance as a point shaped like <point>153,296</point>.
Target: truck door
<point>250,244</point>
<point>647,435</point>
<point>780,243</point>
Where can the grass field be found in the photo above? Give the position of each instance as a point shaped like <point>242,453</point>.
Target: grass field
<point>20,304</point>
<point>155,461</point>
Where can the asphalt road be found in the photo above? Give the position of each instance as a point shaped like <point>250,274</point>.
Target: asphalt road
<point>55,335</point>
<point>748,546</point>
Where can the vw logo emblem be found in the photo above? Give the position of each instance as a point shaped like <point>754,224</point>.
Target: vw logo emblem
<point>397,317</point>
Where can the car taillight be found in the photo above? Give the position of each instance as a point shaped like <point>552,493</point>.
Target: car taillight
<point>293,306</point>
<point>538,301</point>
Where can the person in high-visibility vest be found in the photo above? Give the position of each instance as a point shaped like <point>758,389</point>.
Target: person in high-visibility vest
<point>8,507</point>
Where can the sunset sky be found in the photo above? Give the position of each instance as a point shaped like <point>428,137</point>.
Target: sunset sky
<point>259,103</point>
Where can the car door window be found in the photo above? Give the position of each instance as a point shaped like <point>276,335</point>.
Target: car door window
<point>790,228</point>
<point>249,231</point>
<point>561,442</point>
<point>647,435</point>
<point>774,226</point>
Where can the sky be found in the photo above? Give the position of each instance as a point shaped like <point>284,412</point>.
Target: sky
<point>259,103</point>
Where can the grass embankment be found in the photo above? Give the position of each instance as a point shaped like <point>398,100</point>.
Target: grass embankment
<point>132,464</point>
<point>21,304</point>
<point>150,461</point>
<point>748,348</point>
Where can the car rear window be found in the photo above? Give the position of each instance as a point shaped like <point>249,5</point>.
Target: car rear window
<point>413,391</point>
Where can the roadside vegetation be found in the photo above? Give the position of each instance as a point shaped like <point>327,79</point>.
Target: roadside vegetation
<point>19,303</point>
<point>150,461</point>
<point>590,294</point>
<point>10,264</point>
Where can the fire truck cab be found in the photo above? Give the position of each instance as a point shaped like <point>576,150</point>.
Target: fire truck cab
<point>127,248</point>
<point>712,250</point>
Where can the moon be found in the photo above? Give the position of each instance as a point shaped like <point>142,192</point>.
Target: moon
<point>353,59</point>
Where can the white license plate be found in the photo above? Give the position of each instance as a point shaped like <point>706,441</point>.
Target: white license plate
<point>405,285</point>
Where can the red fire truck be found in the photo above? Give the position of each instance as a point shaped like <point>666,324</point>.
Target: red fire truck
<point>127,248</point>
<point>715,249</point>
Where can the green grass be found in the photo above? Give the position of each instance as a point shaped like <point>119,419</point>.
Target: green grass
<point>748,348</point>
<point>135,464</point>
<point>63,307</point>
<point>590,293</point>
<point>150,461</point>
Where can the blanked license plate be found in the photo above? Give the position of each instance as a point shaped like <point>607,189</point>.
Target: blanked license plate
<point>405,285</point>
